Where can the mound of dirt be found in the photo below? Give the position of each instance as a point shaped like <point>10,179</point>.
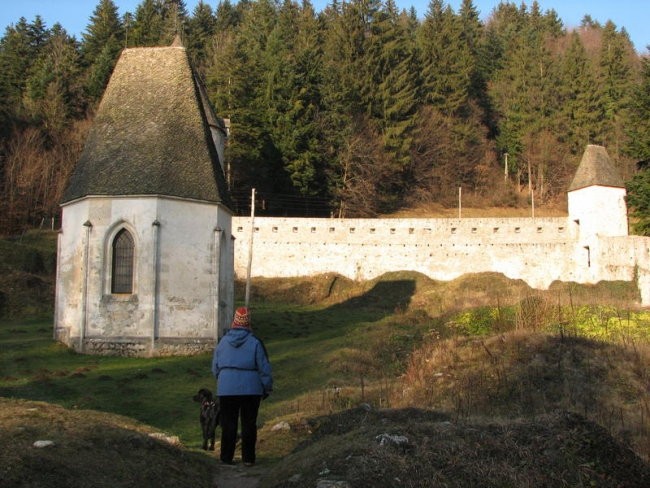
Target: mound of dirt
<point>384,448</point>
<point>45,445</point>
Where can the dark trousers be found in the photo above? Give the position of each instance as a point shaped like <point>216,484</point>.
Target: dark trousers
<point>231,408</point>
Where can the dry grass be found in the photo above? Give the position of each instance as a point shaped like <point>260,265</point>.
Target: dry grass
<point>528,376</point>
<point>426,448</point>
<point>525,373</point>
<point>508,382</point>
<point>435,210</point>
<point>91,449</point>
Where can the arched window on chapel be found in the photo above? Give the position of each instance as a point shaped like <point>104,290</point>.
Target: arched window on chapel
<point>122,272</point>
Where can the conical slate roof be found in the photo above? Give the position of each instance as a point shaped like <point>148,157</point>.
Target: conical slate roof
<point>150,135</point>
<point>596,169</point>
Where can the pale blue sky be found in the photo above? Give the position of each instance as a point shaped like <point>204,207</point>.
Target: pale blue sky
<point>633,15</point>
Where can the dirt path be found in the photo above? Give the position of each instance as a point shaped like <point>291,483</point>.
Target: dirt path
<point>238,476</point>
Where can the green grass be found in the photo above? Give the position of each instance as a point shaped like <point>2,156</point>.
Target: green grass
<point>312,348</point>
<point>33,252</point>
<point>302,342</point>
<point>27,268</point>
<point>307,345</point>
<point>359,340</point>
<point>155,391</point>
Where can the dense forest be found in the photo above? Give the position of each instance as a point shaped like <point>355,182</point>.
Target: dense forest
<point>358,110</point>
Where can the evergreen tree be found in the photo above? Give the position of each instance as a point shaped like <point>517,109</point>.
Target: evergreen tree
<point>397,88</point>
<point>502,30</point>
<point>53,91</point>
<point>174,20</point>
<point>19,49</point>
<point>471,25</point>
<point>524,90</point>
<point>616,84</point>
<point>201,28</point>
<point>638,201</point>
<point>343,59</point>
<point>16,55</point>
<point>340,91</point>
<point>544,22</point>
<point>105,27</point>
<point>147,26</point>
<point>293,98</point>
<point>237,80</point>
<point>345,90</point>
<point>447,63</point>
<point>102,43</point>
<point>472,33</point>
<point>98,74</point>
<point>581,113</point>
<point>39,34</point>
<point>449,71</point>
<point>228,16</point>
<point>485,52</point>
<point>639,126</point>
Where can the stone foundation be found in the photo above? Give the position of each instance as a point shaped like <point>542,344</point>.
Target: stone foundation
<point>142,346</point>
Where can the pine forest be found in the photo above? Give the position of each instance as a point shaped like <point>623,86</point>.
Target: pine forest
<point>359,110</point>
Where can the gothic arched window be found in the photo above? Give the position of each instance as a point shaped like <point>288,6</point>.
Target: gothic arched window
<point>122,272</point>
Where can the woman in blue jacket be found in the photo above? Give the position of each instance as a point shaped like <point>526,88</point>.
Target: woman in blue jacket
<point>243,372</point>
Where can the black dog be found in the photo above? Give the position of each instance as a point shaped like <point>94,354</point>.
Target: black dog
<point>209,416</point>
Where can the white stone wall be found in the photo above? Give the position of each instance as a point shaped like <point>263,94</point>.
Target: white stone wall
<point>627,258</point>
<point>538,251</point>
<point>440,248</point>
<point>183,287</point>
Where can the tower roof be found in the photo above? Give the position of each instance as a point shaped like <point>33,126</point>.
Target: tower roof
<point>151,133</point>
<point>596,169</point>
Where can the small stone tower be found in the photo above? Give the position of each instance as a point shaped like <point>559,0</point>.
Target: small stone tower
<point>596,196</point>
<point>145,254</point>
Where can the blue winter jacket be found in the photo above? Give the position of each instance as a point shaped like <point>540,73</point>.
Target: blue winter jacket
<point>240,365</point>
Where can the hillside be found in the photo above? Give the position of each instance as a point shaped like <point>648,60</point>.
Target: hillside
<point>357,448</point>
<point>90,449</point>
<point>480,380</point>
<point>418,448</point>
<point>27,273</point>
<point>492,103</point>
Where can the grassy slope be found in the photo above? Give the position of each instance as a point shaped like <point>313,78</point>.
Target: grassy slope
<point>27,265</point>
<point>91,450</point>
<point>335,343</point>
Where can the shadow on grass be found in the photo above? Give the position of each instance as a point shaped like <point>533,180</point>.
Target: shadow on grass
<point>303,342</point>
<point>276,322</point>
<point>313,349</point>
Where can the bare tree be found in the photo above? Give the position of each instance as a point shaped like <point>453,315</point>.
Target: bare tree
<point>35,174</point>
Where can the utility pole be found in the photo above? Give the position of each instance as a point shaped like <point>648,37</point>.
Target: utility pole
<point>460,204</point>
<point>505,168</point>
<point>250,250</point>
<point>530,190</point>
<point>532,201</point>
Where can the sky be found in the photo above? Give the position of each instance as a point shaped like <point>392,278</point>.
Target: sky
<point>73,15</point>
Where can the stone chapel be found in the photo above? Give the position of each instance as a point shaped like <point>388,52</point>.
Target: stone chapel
<point>145,252</point>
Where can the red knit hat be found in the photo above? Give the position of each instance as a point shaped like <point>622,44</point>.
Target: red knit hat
<point>242,319</point>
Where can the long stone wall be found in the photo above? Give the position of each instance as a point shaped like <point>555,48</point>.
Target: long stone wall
<point>538,251</point>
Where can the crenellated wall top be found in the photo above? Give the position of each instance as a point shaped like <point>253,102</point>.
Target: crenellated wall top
<point>309,230</point>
